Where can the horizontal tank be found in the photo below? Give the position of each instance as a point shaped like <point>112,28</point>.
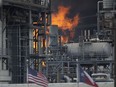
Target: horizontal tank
<point>91,49</point>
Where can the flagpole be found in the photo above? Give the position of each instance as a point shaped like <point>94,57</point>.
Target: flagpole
<point>77,71</point>
<point>27,74</point>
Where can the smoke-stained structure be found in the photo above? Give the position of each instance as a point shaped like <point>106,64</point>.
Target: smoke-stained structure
<point>20,19</point>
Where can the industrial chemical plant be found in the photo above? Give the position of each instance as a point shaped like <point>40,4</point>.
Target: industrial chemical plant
<point>29,38</point>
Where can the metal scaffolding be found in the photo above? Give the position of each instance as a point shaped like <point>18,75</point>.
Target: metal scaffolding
<point>20,19</point>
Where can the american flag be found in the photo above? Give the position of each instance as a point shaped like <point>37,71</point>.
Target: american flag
<point>37,78</point>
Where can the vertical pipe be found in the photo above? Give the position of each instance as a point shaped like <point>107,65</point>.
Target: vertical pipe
<point>114,58</point>
<point>68,67</point>
<point>50,8</point>
<point>58,76</point>
<point>19,50</point>
<point>85,35</point>
<point>27,68</point>
<point>39,43</point>
<point>35,33</point>
<point>39,50</point>
<point>46,56</point>
<point>30,33</point>
<point>62,65</point>
<point>78,72</point>
<point>98,16</point>
<point>88,34</point>
<point>83,51</point>
<point>1,15</point>
<point>46,48</point>
<point>31,51</point>
<point>45,25</point>
<point>1,34</point>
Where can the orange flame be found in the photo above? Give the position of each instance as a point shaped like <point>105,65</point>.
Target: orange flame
<point>60,18</point>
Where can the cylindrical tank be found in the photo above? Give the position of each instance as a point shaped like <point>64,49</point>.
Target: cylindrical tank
<point>108,4</point>
<point>91,49</point>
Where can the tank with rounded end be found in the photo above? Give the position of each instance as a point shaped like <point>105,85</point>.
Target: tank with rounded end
<point>91,49</point>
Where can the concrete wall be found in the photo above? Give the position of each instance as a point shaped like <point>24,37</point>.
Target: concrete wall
<point>102,84</point>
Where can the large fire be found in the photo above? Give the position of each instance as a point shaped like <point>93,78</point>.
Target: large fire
<point>60,18</point>
<point>64,23</point>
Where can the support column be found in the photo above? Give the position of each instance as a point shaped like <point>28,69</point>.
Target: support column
<point>30,33</point>
<point>114,57</point>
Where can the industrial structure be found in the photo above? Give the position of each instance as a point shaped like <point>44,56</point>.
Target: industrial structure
<point>26,42</point>
<point>21,22</point>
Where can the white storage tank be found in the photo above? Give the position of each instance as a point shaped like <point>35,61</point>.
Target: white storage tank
<point>91,49</point>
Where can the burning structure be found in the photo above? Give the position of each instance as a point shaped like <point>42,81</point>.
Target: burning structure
<point>65,23</point>
<point>27,33</point>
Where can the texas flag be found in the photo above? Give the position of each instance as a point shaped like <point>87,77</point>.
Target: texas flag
<point>84,77</point>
